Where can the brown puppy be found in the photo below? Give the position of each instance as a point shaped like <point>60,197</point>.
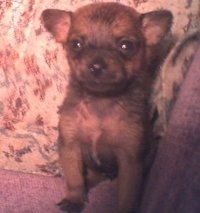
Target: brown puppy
<point>104,119</point>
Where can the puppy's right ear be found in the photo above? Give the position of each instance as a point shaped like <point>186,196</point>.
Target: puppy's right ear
<point>57,22</point>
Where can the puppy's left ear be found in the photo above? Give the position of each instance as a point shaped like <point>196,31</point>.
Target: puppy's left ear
<point>155,25</point>
<point>57,22</point>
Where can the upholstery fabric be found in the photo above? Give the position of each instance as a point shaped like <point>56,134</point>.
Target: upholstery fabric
<point>28,193</point>
<point>174,181</point>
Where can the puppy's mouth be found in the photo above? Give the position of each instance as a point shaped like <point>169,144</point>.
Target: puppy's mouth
<point>104,89</point>
<point>103,82</point>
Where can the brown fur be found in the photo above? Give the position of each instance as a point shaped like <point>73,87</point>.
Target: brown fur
<point>104,119</point>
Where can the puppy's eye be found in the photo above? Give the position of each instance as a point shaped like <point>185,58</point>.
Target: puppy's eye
<point>76,45</point>
<point>127,46</point>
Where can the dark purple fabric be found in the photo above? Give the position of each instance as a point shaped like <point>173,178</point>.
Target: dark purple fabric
<point>26,193</point>
<point>174,181</point>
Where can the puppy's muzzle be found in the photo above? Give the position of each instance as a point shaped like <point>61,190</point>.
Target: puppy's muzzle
<point>97,68</point>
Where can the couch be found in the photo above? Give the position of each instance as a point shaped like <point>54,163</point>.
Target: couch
<point>33,78</point>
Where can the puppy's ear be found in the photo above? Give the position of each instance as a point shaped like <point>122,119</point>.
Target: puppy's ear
<point>155,25</point>
<point>57,22</point>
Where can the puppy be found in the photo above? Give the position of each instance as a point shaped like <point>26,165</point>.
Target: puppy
<point>103,128</point>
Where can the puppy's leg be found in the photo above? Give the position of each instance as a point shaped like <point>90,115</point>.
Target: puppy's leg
<point>129,183</point>
<point>94,177</point>
<point>70,157</point>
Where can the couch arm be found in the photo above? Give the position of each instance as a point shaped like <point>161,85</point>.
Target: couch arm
<point>173,184</point>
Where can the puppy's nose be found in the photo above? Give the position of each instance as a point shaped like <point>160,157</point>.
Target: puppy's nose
<point>97,69</point>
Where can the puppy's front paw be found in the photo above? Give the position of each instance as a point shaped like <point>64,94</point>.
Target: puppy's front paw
<point>70,207</point>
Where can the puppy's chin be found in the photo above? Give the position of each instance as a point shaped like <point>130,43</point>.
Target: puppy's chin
<point>105,89</point>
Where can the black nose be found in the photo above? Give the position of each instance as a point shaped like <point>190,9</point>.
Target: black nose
<point>97,68</point>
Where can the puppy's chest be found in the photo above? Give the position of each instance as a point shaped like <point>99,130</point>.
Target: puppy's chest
<point>98,121</point>
<point>98,126</point>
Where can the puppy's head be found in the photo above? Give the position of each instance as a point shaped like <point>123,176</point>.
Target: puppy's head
<point>107,44</point>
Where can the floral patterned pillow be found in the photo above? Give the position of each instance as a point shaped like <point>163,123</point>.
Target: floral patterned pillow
<point>34,75</point>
